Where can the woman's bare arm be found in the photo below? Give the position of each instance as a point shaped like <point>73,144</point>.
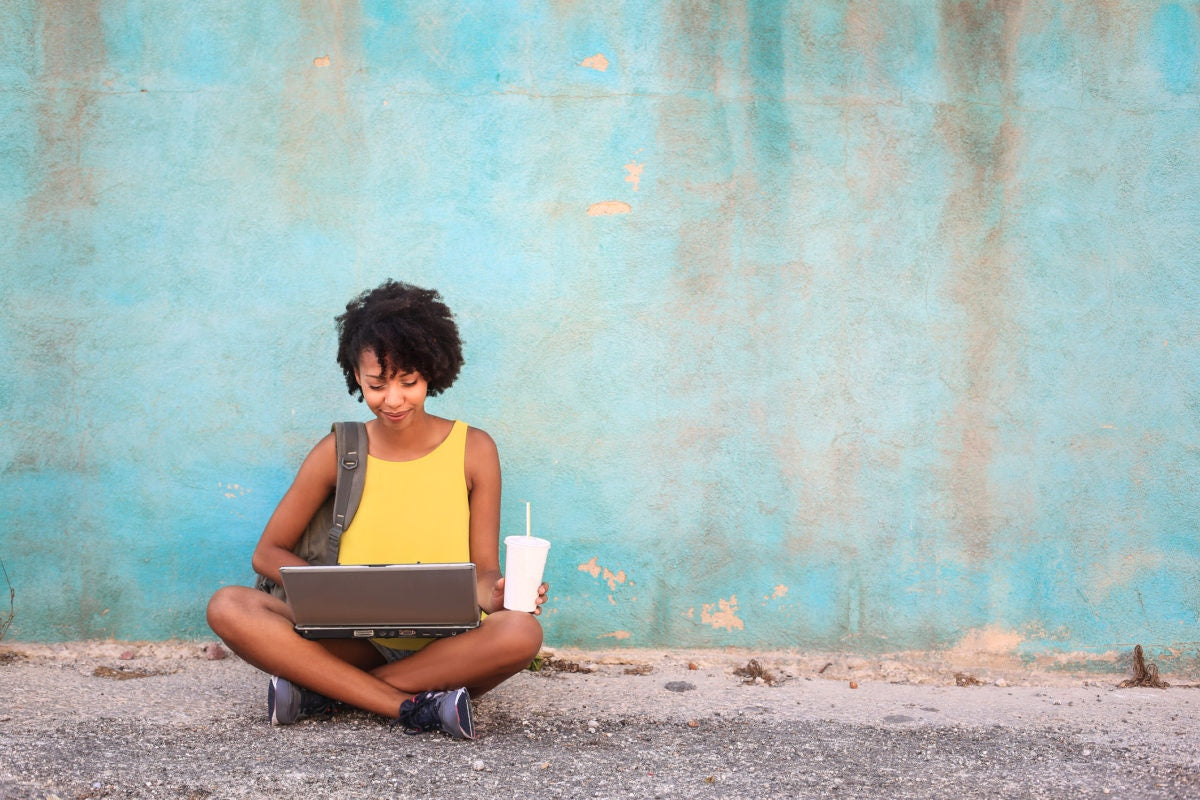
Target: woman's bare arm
<point>316,478</point>
<point>483,494</point>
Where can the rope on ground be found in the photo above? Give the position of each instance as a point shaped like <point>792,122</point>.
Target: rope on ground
<point>1143,674</point>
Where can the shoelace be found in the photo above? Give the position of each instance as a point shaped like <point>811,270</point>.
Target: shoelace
<point>420,714</point>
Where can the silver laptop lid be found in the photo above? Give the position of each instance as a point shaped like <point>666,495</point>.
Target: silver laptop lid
<point>384,596</point>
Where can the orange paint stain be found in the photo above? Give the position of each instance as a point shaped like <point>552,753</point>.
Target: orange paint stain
<point>634,175</point>
<point>597,62</point>
<point>722,614</point>
<point>615,635</point>
<point>608,208</point>
<point>594,569</point>
<point>590,567</point>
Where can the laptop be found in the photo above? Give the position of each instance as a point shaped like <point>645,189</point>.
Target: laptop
<point>382,601</point>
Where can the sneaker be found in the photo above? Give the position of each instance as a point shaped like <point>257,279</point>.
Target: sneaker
<point>446,711</point>
<point>288,703</point>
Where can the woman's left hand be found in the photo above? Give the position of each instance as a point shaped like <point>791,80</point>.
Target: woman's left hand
<point>498,596</point>
<point>541,598</point>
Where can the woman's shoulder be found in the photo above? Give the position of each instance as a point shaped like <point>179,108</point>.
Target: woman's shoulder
<point>480,448</point>
<point>477,437</point>
<point>482,459</point>
<point>319,468</point>
<point>325,449</point>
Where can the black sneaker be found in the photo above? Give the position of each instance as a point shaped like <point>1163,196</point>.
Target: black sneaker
<point>287,702</point>
<point>446,711</point>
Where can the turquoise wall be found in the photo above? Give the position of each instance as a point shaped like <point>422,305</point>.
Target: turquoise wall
<point>868,326</point>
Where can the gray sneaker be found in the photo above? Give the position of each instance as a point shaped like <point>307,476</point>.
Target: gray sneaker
<point>447,711</point>
<point>288,703</point>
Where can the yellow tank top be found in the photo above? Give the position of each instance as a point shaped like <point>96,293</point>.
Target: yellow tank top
<point>413,511</point>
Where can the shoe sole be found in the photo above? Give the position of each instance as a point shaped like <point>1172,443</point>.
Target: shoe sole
<point>274,696</point>
<point>462,705</point>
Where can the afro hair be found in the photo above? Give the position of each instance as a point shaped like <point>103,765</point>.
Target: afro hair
<point>409,329</point>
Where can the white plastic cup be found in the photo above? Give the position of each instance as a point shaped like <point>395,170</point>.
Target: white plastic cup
<point>524,561</point>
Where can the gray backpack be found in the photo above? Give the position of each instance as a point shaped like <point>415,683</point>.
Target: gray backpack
<point>321,540</point>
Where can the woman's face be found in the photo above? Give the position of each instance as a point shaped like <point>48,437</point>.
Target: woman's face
<point>395,401</point>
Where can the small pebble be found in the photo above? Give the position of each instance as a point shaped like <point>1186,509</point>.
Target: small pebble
<point>478,765</point>
<point>214,652</point>
<point>126,655</point>
<point>693,723</point>
<point>693,665</point>
<point>853,684</point>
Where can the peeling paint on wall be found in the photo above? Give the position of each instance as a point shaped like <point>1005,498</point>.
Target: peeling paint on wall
<point>722,614</point>
<point>604,573</point>
<point>597,62</point>
<point>608,207</point>
<point>233,490</point>
<point>992,640</point>
<point>618,635</point>
<point>634,174</point>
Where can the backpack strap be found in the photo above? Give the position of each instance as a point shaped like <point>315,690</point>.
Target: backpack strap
<point>352,474</point>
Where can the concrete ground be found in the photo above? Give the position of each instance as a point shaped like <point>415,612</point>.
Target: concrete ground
<point>164,720</point>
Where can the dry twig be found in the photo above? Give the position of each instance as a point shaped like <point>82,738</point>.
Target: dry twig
<point>5,621</point>
<point>552,664</point>
<point>752,671</point>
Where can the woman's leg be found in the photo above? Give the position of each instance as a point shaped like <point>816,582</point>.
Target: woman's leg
<point>258,627</point>
<point>480,659</point>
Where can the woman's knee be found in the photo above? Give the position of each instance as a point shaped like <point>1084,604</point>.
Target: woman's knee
<point>231,605</point>
<point>221,607</point>
<point>520,632</point>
